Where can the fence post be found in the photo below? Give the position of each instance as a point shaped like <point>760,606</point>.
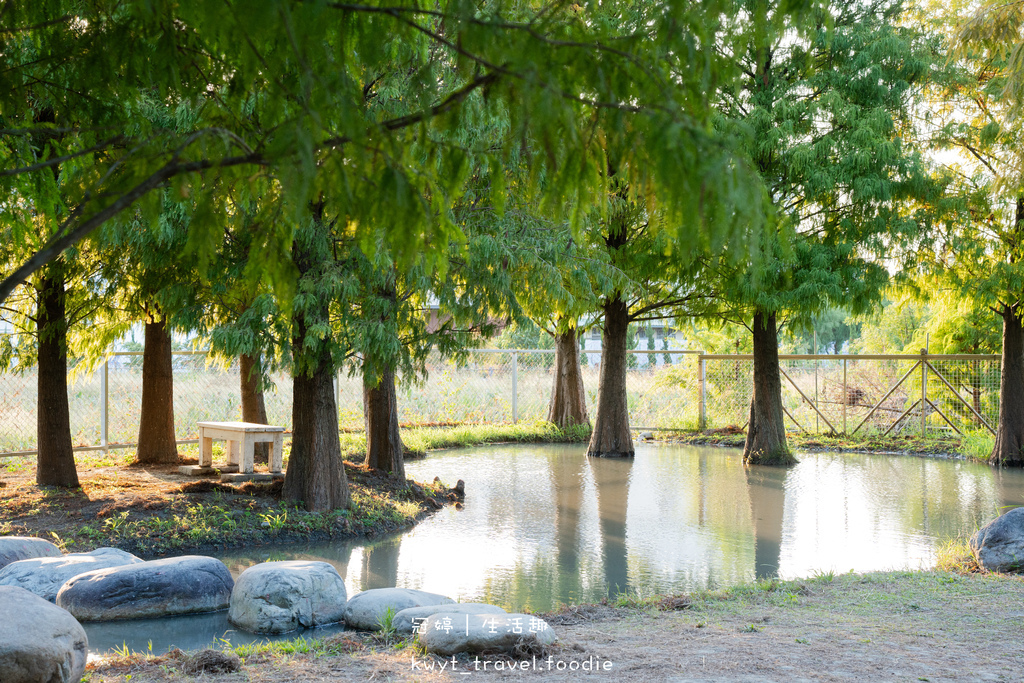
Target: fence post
<point>104,406</point>
<point>515,387</point>
<point>702,420</point>
<point>924,390</point>
<point>817,424</point>
<point>846,395</point>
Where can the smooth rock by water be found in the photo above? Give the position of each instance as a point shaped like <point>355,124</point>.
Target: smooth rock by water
<point>45,575</point>
<point>366,610</point>
<point>449,633</point>
<point>176,585</point>
<point>39,642</point>
<point>14,548</point>
<point>278,597</point>
<point>407,621</point>
<point>999,545</point>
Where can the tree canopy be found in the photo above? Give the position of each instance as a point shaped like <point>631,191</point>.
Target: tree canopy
<point>288,90</point>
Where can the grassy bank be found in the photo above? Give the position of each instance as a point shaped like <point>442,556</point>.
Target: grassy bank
<point>975,446</point>
<point>154,510</point>
<point>905,625</point>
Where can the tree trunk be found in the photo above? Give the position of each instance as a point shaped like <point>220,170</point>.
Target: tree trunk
<point>384,449</point>
<point>55,462</point>
<point>316,472</point>
<point>766,432</point>
<point>568,405</point>
<point>611,435</point>
<point>254,409</point>
<point>156,425</point>
<point>1010,430</point>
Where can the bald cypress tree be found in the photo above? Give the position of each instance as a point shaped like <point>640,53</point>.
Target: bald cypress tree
<point>825,107</point>
<point>978,254</point>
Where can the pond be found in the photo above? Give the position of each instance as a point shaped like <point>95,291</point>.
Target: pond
<point>544,524</point>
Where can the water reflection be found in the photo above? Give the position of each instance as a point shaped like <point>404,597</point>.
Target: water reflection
<point>611,476</point>
<point>544,525</point>
<point>766,487</point>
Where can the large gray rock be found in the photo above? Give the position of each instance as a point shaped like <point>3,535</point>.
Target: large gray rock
<point>408,620</point>
<point>366,610</point>
<point>448,633</point>
<point>45,575</point>
<point>175,585</point>
<point>14,548</point>
<point>278,597</point>
<point>39,642</point>
<point>999,545</point>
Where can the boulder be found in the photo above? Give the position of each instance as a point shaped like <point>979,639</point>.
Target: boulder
<point>278,597</point>
<point>14,548</point>
<point>999,545</point>
<point>366,610</point>
<point>449,633</point>
<point>45,575</point>
<point>407,621</point>
<point>175,585</point>
<point>39,641</point>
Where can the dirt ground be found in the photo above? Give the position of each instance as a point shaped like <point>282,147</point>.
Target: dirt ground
<point>154,510</point>
<point>899,626</point>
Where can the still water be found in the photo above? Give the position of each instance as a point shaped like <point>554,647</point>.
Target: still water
<point>544,525</point>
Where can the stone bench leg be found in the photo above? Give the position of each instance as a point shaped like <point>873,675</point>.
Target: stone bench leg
<point>206,452</point>
<point>248,453</point>
<point>233,448</point>
<point>277,453</point>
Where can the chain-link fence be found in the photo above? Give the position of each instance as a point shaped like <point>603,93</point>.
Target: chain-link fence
<point>848,394</point>
<point>665,390</point>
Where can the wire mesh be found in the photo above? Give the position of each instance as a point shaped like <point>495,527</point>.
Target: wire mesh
<point>18,411</point>
<point>844,394</point>
<point>665,390</point>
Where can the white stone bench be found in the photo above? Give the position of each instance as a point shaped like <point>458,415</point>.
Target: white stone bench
<point>241,438</point>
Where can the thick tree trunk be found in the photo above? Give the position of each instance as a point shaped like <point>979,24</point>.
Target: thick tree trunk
<point>1010,430</point>
<point>766,432</point>
<point>384,449</point>
<point>55,462</point>
<point>611,435</point>
<point>254,409</point>
<point>316,472</point>
<point>568,405</point>
<point>156,425</point>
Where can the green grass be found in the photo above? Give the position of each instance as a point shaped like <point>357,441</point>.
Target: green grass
<point>863,441</point>
<point>977,445</point>
<point>955,555</point>
<point>419,440</point>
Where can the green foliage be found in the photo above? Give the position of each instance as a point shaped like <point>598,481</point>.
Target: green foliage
<point>974,260</point>
<point>834,149</point>
<point>892,328</point>
<point>977,445</point>
<point>834,329</point>
<point>523,334</point>
<point>360,103</point>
